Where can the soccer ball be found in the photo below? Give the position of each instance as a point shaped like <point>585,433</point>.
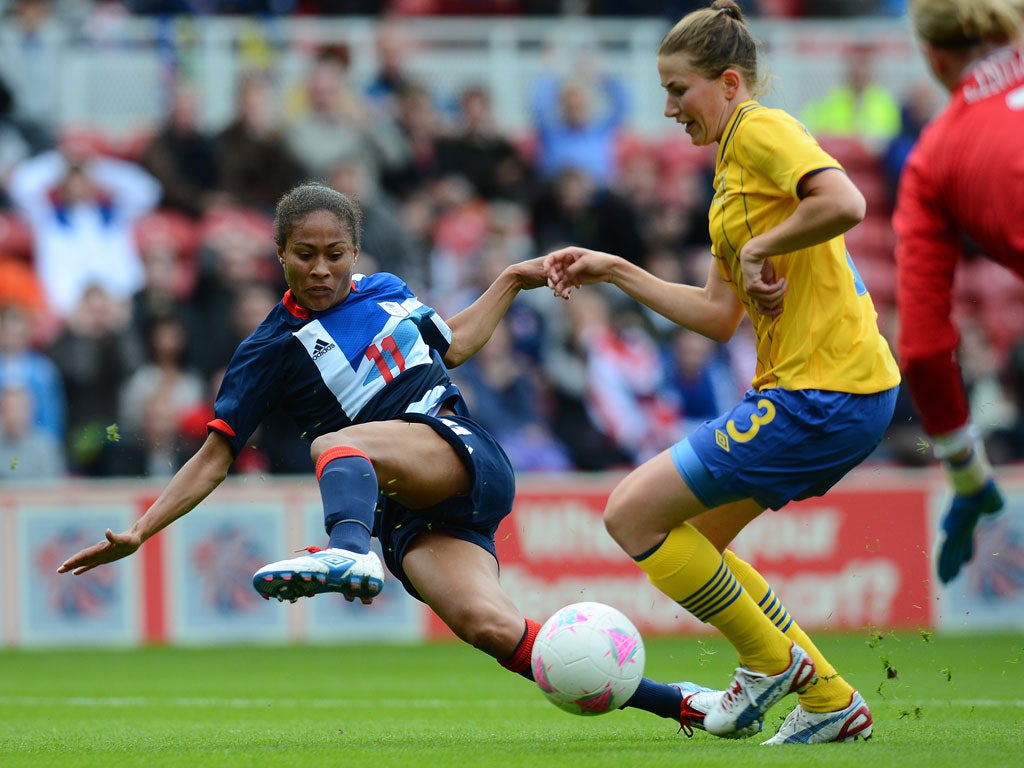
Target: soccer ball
<point>588,658</point>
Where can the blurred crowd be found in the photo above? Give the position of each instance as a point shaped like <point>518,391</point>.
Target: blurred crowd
<point>670,9</point>
<point>129,271</point>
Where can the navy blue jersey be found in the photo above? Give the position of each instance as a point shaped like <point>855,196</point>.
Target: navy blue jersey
<point>374,357</point>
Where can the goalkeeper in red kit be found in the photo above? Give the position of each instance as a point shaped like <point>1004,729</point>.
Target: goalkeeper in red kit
<point>963,182</point>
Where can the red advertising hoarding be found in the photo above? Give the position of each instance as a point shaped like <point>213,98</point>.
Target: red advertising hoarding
<point>854,558</point>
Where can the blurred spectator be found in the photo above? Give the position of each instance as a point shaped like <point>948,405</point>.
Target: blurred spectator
<point>845,8</point>
<point>337,121</point>
<point>390,75</point>
<point>577,121</point>
<point>151,446</point>
<point>567,363</point>
<point>82,209</point>
<point>184,158</point>
<point>1013,436</point>
<point>458,236</point>
<point>992,409</point>
<point>481,153</point>
<point>506,241</point>
<point>31,43</point>
<point>14,142</point>
<point>699,381</point>
<point>165,372</point>
<point>422,130</point>
<point>236,272</point>
<point>385,238</point>
<point>573,210</point>
<point>96,352</point>
<point>625,390</point>
<point>20,287</point>
<point>921,103</point>
<point>501,386</point>
<point>167,287</point>
<point>256,164</point>
<point>24,367</point>
<point>27,451</point>
<point>668,203</point>
<point>859,107</point>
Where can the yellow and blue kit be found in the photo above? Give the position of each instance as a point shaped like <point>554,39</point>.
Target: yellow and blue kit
<point>825,384</point>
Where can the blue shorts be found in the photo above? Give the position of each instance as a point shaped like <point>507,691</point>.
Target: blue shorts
<point>780,445</point>
<point>474,517</point>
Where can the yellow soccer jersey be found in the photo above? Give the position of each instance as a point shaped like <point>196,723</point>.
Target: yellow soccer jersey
<point>827,336</point>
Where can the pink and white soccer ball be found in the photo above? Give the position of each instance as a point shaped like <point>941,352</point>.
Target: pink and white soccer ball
<point>588,658</point>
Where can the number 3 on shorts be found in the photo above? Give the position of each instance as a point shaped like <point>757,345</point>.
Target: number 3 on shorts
<point>763,415</point>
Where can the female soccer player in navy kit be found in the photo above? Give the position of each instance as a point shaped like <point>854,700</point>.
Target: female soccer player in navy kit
<point>360,365</point>
<point>822,395</point>
<point>963,181</point>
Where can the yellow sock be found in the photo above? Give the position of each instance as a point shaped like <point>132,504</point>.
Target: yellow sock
<point>688,568</point>
<point>831,692</point>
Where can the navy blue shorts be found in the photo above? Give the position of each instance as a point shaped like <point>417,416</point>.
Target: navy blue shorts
<point>781,445</point>
<point>474,517</point>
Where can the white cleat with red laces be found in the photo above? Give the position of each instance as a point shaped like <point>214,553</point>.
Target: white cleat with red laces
<point>751,694</point>
<point>697,700</point>
<point>848,724</point>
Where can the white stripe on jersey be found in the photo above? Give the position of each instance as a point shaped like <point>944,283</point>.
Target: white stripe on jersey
<point>382,361</point>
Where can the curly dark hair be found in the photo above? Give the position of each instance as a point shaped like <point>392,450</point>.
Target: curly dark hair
<point>310,197</point>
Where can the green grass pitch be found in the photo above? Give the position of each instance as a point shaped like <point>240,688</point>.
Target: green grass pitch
<point>937,701</point>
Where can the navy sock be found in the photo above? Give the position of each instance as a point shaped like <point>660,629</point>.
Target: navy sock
<point>660,699</point>
<point>348,487</point>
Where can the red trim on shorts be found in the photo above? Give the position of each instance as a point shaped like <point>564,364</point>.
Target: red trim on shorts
<point>519,661</point>
<point>337,452</point>
<point>221,426</point>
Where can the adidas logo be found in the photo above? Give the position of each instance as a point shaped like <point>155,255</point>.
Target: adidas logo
<point>321,348</point>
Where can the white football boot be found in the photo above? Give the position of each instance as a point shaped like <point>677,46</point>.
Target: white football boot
<point>322,570</point>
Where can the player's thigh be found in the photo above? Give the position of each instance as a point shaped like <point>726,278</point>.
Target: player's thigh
<point>722,524</point>
<point>459,581</point>
<point>650,501</point>
<point>415,466</point>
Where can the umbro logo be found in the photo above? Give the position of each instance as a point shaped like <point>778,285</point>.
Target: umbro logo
<point>321,348</point>
<point>722,440</point>
<point>336,561</point>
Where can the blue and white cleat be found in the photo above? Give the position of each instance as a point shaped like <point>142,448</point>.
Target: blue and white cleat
<point>697,700</point>
<point>848,724</point>
<point>322,570</point>
<point>955,545</point>
<point>753,693</point>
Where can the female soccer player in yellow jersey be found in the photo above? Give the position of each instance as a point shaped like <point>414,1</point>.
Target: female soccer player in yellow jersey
<point>821,397</point>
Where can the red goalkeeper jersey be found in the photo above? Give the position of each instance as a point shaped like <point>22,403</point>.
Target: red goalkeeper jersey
<point>963,183</point>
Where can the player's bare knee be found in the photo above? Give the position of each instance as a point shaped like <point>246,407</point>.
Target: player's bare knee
<point>321,444</point>
<point>619,518</point>
<point>350,437</point>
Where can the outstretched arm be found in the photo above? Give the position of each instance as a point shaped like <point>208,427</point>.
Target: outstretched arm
<point>472,327</point>
<point>190,485</point>
<point>712,310</point>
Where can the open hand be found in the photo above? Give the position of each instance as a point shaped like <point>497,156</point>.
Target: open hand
<point>114,547</point>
